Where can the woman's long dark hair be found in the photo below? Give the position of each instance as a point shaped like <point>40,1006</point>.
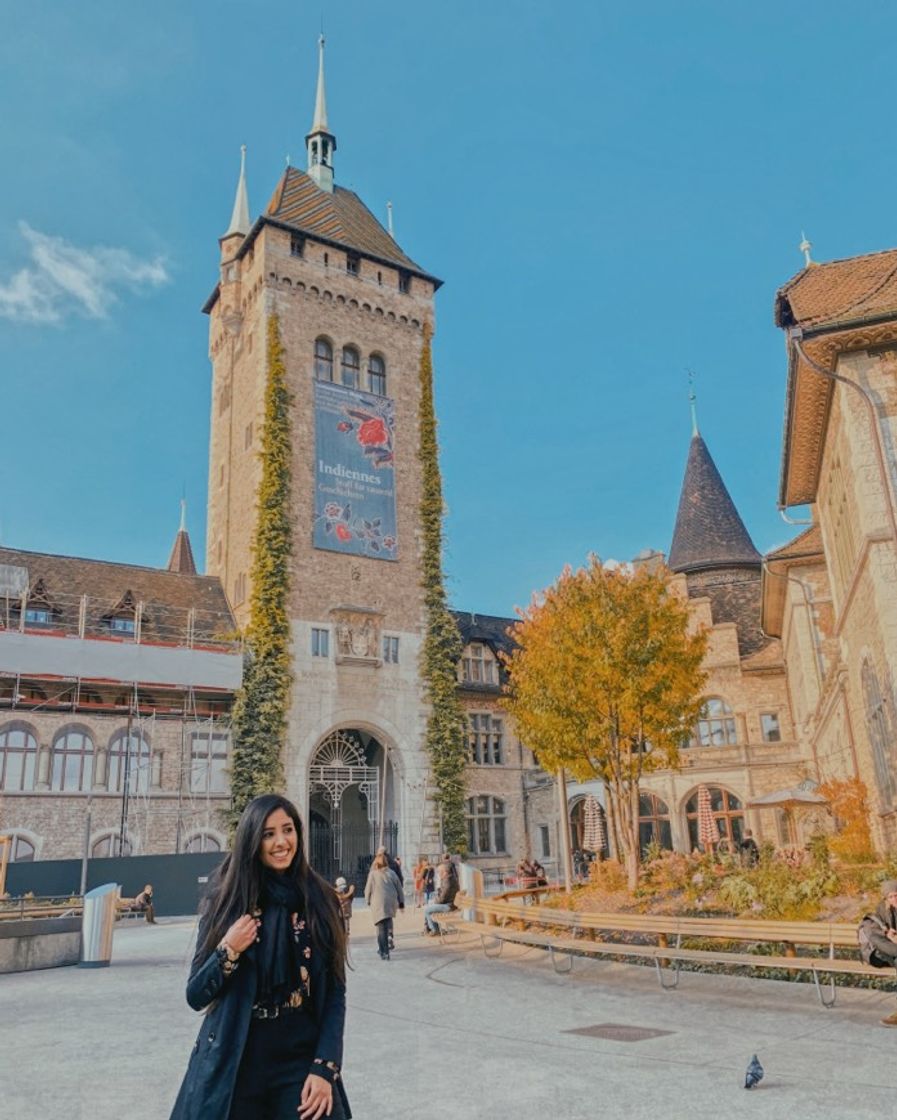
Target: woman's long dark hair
<point>235,887</point>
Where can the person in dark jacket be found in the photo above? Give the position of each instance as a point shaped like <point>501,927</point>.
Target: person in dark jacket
<point>269,973</point>
<point>880,931</point>
<point>447,887</point>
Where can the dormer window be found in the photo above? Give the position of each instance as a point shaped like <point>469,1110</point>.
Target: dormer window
<point>478,665</point>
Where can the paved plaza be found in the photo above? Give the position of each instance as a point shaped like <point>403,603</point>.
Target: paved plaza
<point>441,1032</point>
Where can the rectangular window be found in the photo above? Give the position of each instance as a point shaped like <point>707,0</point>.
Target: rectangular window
<point>769,725</point>
<point>391,650</point>
<point>353,263</point>
<point>208,763</point>
<point>221,475</point>
<point>478,666</point>
<point>545,837</point>
<point>320,642</point>
<point>297,246</point>
<point>122,625</point>
<point>404,283</point>
<point>485,733</point>
<point>36,616</point>
<point>247,437</point>
<point>240,588</point>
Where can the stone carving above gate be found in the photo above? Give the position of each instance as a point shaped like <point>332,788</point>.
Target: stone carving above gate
<point>357,632</point>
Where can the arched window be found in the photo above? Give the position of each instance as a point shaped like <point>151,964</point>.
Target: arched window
<point>71,760</point>
<point>21,848</point>
<point>486,825</point>
<point>716,727</point>
<point>131,755</point>
<point>653,821</point>
<point>323,360</point>
<point>880,736</point>
<point>18,755</point>
<point>350,366</point>
<point>107,844</point>
<point>377,375</point>
<point>203,842</point>
<point>728,812</point>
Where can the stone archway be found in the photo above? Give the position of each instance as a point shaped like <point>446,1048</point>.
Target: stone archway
<point>352,803</point>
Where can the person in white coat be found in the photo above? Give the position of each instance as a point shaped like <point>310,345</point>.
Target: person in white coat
<point>383,894</point>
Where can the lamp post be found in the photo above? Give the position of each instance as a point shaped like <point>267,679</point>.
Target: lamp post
<point>565,829</point>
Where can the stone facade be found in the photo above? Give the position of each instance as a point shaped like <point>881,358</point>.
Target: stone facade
<point>320,290</point>
<point>838,618</point>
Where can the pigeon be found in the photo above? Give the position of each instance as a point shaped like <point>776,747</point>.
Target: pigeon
<point>754,1073</point>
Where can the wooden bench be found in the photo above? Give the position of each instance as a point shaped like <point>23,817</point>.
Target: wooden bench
<point>531,893</point>
<point>567,934</point>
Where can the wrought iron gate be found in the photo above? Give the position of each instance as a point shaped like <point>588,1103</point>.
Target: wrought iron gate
<point>357,843</point>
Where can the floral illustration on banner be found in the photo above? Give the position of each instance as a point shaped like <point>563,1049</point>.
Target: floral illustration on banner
<point>345,526</point>
<point>355,451</point>
<point>372,429</point>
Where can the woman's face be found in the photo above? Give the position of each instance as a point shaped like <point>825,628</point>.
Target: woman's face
<point>279,841</point>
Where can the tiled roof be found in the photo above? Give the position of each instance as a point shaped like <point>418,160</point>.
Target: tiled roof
<point>488,628</point>
<point>168,597</point>
<point>341,216</point>
<point>842,291</point>
<point>805,547</point>
<point>181,558</point>
<point>807,543</point>
<point>709,532</point>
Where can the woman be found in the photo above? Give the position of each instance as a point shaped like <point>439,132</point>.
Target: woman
<point>383,893</point>
<point>269,971</point>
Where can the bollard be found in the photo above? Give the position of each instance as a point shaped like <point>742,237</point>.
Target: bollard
<point>97,926</point>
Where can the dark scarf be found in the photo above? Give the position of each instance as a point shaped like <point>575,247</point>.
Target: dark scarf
<point>277,952</point>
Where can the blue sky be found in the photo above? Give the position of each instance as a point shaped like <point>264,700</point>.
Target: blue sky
<point>611,193</point>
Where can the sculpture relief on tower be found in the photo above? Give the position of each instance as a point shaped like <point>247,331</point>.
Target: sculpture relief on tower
<point>357,635</point>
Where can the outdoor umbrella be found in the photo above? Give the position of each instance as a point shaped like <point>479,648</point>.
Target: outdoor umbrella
<point>789,800</point>
<point>594,833</point>
<point>708,833</point>
<point>796,798</point>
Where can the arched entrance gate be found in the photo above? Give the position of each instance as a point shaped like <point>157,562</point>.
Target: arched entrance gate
<point>351,799</point>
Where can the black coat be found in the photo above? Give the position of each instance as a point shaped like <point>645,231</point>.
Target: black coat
<point>208,1085</point>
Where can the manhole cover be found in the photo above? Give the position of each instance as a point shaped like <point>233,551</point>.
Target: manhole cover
<point>618,1032</point>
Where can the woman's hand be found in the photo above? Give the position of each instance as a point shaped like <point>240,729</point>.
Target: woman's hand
<point>317,1098</point>
<point>242,933</point>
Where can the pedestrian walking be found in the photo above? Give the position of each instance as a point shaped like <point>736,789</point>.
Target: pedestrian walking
<point>424,874</point>
<point>383,894</point>
<point>269,971</point>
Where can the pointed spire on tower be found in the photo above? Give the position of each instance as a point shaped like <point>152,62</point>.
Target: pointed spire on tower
<point>709,531</point>
<point>320,142</point>
<point>181,558</point>
<point>239,219</point>
<point>319,124</point>
<point>692,400</point>
<point>805,247</point>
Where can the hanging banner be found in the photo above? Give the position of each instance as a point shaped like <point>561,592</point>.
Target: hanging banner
<point>355,494</point>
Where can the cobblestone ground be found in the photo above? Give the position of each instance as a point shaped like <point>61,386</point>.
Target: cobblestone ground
<point>440,1032</point>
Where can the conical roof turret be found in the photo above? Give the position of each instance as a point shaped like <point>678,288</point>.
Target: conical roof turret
<point>709,532</point>
<point>181,559</point>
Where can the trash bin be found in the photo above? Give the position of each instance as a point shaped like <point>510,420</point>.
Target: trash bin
<point>97,926</point>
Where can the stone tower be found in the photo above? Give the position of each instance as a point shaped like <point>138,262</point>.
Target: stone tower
<point>351,307</point>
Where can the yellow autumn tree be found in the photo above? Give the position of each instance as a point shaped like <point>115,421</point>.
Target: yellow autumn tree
<point>606,681</point>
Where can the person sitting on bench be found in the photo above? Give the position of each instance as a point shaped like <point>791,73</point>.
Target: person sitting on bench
<point>144,902</point>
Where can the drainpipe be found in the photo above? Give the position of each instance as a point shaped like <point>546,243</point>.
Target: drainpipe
<point>795,335</point>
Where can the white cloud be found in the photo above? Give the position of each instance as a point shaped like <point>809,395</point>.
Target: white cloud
<point>61,279</point>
